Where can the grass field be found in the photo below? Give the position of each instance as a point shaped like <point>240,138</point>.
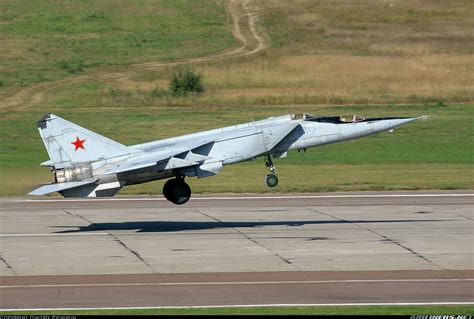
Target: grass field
<point>346,310</point>
<point>45,41</point>
<point>325,57</point>
<point>431,154</point>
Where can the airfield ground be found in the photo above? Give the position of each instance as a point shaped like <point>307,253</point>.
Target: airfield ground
<point>98,65</point>
<point>367,248</point>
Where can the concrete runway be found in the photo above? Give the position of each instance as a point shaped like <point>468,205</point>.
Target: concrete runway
<point>225,250</point>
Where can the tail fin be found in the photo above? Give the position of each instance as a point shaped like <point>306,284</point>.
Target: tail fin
<point>68,143</point>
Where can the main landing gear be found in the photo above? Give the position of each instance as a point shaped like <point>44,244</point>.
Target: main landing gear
<point>177,191</point>
<point>270,179</point>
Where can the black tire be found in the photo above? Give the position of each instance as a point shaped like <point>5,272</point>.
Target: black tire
<point>271,180</point>
<point>181,193</point>
<point>177,191</point>
<point>168,187</point>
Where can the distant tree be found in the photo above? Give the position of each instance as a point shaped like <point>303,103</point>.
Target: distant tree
<point>186,81</point>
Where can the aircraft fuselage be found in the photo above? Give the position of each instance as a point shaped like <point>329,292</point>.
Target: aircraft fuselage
<point>83,168</point>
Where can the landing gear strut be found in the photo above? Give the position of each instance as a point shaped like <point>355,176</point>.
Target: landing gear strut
<point>177,191</point>
<point>270,179</point>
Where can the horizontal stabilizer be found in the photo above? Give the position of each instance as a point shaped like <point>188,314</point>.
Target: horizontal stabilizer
<point>58,187</point>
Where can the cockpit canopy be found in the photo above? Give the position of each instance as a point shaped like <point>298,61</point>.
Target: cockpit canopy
<point>328,119</point>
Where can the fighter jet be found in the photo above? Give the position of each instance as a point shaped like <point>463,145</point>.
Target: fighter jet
<point>86,164</point>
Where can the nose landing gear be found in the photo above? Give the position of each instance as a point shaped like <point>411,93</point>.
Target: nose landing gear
<point>177,191</point>
<point>271,180</point>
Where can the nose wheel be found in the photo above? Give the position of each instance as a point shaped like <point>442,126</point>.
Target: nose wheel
<point>271,180</point>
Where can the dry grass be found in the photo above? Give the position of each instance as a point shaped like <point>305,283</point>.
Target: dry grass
<point>351,78</point>
<point>352,27</point>
<point>349,52</point>
<point>130,85</point>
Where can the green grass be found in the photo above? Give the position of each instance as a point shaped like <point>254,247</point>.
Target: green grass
<point>47,41</point>
<point>323,310</point>
<point>432,154</point>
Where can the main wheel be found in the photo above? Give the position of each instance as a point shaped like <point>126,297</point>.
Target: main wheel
<point>271,180</point>
<point>168,187</point>
<point>177,191</point>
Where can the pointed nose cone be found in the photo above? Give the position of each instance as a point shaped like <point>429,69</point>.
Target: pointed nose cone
<point>398,122</point>
<point>388,124</point>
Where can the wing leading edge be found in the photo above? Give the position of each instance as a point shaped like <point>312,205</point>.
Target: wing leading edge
<point>176,158</point>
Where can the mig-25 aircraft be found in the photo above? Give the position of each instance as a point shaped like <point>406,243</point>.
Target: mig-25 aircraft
<point>86,164</point>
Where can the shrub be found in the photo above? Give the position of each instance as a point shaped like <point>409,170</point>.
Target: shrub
<point>186,81</point>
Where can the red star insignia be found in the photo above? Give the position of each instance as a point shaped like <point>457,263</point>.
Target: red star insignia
<point>78,143</point>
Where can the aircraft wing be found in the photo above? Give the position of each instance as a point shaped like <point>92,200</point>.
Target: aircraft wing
<point>171,159</point>
<point>196,154</point>
<point>57,187</point>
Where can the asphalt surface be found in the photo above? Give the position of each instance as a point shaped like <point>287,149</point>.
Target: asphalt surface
<point>237,289</point>
<point>333,248</point>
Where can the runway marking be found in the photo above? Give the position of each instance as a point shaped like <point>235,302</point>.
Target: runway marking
<point>240,283</point>
<point>71,234</point>
<point>248,197</point>
<point>434,303</point>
